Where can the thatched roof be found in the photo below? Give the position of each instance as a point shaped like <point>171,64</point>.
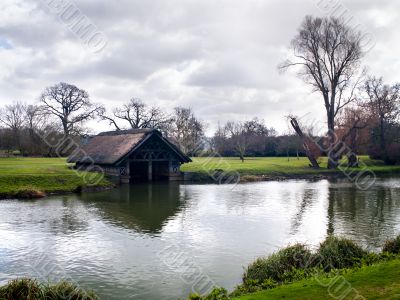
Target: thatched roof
<point>110,147</point>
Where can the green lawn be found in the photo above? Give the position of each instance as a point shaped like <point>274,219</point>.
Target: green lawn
<point>42,174</point>
<point>380,281</point>
<point>274,165</point>
<point>53,175</point>
<point>33,166</point>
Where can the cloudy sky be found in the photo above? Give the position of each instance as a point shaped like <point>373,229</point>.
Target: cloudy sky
<point>219,57</point>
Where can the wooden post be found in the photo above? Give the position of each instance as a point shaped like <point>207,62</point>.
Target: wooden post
<point>125,178</point>
<point>169,169</point>
<point>150,171</point>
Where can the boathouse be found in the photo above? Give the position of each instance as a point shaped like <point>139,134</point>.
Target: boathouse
<point>132,156</point>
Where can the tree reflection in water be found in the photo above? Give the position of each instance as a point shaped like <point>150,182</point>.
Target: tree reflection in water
<point>370,217</point>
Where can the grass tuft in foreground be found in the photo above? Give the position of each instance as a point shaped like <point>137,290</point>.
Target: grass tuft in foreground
<point>24,288</point>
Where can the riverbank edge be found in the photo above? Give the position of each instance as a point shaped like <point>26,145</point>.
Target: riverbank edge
<point>296,265</point>
<point>314,175</point>
<point>357,282</point>
<point>27,193</point>
<point>361,281</point>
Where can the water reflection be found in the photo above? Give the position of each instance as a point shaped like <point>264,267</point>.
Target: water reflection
<point>143,208</point>
<point>370,217</point>
<point>69,220</point>
<point>307,199</point>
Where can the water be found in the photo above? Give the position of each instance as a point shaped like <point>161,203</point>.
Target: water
<point>153,241</point>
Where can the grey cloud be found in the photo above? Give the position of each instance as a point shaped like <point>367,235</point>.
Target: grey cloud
<point>219,57</point>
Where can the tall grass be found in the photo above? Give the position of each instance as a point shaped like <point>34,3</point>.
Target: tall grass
<point>30,289</point>
<point>392,245</point>
<point>339,253</point>
<point>279,266</point>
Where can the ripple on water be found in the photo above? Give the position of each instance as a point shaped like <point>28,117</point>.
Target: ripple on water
<point>139,241</point>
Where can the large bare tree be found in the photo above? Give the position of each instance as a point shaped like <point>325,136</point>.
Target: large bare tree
<point>70,104</point>
<point>136,114</point>
<point>328,53</point>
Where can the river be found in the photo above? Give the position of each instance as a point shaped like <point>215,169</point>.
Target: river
<point>160,241</point>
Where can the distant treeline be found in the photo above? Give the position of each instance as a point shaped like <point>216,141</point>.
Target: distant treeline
<point>369,126</point>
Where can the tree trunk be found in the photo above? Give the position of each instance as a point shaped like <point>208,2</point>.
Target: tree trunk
<point>352,160</point>
<point>305,140</point>
<point>333,160</point>
<point>62,144</point>
<point>382,135</point>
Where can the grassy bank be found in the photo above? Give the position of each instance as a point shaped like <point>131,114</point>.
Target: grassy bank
<point>30,177</point>
<point>338,269</point>
<point>378,281</point>
<point>35,177</point>
<point>270,167</point>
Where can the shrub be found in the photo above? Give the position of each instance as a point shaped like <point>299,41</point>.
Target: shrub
<point>252,286</point>
<point>392,246</point>
<point>372,258</point>
<point>339,253</point>
<point>279,266</point>
<point>22,289</point>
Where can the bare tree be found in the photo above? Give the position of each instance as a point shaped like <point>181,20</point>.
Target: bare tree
<point>187,131</point>
<point>250,137</point>
<point>351,122</point>
<point>384,104</point>
<point>35,118</point>
<point>328,54</point>
<point>37,125</point>
<point>13,118</point>
<point>110,118</point>
<point>239,137</point>
<point>136,114</point>
<point>219,142</point>
<point>69,104</point>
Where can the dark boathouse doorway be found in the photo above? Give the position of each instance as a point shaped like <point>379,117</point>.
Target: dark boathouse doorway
<point>144,171</point>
